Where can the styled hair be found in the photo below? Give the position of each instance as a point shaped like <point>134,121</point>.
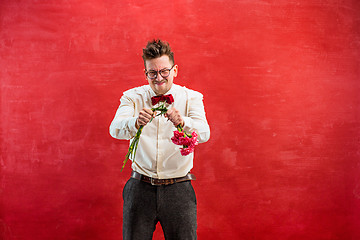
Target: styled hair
<point>156,49</point>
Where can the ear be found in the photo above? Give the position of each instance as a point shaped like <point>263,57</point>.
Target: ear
<point>145,74</point>
<point>176,69</point>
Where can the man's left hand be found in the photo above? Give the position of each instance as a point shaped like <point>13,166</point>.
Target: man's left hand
<point>174,116</point>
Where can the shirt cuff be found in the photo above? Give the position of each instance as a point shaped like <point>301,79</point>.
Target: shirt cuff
<point>132,124</point>
<point>187,123</point>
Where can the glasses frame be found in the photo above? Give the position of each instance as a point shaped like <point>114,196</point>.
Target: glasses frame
<point>159,72</point>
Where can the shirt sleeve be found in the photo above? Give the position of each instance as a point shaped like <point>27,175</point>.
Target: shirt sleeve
<point>123,124</point>
<point>196,118</point>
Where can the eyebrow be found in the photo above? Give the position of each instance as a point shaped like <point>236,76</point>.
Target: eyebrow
<point>159,70</point>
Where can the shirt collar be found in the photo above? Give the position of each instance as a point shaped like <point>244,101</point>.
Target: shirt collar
<point>172,91</point>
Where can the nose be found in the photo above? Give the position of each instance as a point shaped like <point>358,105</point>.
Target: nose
<point>158,76</point>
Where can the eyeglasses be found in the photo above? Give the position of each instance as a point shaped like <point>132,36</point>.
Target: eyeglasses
<point>165,72</point>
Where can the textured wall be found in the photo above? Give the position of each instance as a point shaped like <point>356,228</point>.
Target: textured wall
<point>281,87</point>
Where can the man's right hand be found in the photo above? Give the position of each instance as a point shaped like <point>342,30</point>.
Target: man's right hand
<point>144,117</point>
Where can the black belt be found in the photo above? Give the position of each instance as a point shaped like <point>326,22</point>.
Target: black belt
<point>158,182</point>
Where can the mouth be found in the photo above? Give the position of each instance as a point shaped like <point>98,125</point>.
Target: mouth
<point>159,83</point>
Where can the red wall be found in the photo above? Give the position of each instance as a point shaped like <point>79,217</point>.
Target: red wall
<point>281,86</point>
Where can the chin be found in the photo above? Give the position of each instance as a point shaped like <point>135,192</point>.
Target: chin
<point>161,90</point>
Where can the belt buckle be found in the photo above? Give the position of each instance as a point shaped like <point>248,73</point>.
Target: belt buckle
<point>162,181</point>
<point>153,183</point>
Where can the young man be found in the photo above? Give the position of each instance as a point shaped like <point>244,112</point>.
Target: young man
<point>160,185</point>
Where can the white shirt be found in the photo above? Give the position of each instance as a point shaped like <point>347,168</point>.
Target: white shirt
<point>157,156</point>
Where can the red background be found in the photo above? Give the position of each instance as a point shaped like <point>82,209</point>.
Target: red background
<point>281,87</point>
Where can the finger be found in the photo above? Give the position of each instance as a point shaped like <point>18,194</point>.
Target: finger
<point>177,122</point>
<point>143,121</point>
<point>143,118</point>
<point>168,113</point>
<point>148,111</point>
<point>140,122</point>
<point>147,115</point>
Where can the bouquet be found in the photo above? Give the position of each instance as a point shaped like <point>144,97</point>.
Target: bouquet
<point>188,141</point>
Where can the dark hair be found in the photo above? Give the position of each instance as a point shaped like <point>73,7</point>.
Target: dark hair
<point>156,49</point>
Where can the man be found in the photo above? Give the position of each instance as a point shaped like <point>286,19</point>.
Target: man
<point>160,185</point>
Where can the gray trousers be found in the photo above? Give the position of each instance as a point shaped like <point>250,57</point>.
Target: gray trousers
<point>174,206</point>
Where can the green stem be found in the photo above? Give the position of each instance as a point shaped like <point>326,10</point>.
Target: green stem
<point>180,129</point>
<point>133,146</point>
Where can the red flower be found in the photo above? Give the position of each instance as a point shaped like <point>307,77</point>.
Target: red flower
<point>186,151</point>
<point>176,138</point>
<point>187,141</point>
<point>194,140</point>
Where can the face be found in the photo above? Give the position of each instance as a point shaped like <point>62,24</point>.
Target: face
<point>161,85</point>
